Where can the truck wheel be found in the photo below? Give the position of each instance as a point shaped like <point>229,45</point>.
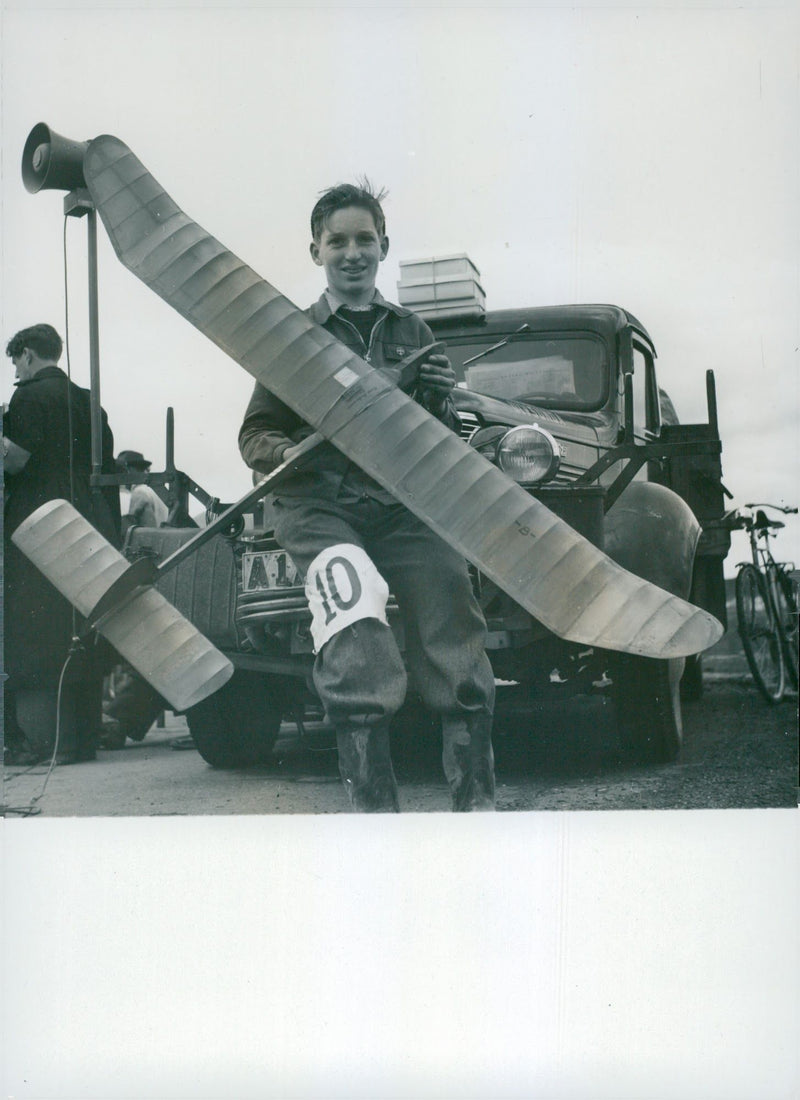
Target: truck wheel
<point>648,700</point>
<point>236,727</point>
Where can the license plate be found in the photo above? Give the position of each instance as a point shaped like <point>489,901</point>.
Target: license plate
<point>265,569</point>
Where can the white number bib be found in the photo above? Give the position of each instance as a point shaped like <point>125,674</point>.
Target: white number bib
<point>343,586</point>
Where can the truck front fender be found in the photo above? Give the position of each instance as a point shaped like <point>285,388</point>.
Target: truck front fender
<point>652,532</point>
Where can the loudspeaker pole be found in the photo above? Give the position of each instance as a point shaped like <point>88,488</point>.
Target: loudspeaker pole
<point>78,204</point>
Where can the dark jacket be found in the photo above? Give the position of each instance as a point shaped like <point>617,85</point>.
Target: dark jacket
<point>270,427</point>
<point>38,419</point>
<point>38,620</point>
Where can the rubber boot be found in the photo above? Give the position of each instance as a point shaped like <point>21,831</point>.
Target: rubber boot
<point>365,765</point>
<point>76,714</point>
<point>468,760</point>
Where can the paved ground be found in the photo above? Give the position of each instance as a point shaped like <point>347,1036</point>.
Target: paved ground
<point>738,752</point>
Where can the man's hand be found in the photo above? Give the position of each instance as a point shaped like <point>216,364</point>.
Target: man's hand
<point>436,380</point>
<point>298,451</point>
<point>289,453</point>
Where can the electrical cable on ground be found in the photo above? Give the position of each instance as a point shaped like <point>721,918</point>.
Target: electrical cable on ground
<point>32,808</point>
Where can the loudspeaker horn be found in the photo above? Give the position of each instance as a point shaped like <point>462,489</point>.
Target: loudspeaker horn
<point>52,162</point>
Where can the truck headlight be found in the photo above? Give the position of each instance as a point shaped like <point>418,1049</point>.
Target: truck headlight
<point>529,454</point>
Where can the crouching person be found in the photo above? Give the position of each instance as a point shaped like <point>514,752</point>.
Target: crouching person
<point>355,543</point>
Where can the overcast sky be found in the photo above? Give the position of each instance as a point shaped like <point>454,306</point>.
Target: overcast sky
<point>630,155</point>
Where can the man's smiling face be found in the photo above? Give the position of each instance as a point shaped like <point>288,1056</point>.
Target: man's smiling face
<point>350,249</point>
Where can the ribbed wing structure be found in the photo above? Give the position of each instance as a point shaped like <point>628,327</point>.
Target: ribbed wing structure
<point>564,581</point>
<point>145,629</point>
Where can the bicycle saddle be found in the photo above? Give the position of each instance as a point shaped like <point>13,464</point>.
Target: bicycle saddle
<point>762,521</point>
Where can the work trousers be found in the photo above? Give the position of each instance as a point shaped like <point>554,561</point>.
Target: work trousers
<point>359,672</point>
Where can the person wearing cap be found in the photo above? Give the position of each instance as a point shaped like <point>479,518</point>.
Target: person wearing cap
<point>130,705</point>
<point>145,507</point>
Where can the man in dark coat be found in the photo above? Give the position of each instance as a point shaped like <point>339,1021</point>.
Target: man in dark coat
<point>47,455</point>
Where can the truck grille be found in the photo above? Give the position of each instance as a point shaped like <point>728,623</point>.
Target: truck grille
<point>469,424</point>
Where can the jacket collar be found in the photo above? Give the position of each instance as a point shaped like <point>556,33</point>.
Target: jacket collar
<point>328,304</point>
<point>45,372</point>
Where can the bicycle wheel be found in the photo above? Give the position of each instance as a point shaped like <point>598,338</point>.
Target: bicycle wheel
<point>786,602</point>
<point>758,630</point>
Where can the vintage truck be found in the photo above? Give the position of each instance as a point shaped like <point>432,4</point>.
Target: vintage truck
<point>564,399</point>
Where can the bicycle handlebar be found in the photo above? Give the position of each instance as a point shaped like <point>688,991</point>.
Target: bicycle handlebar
<point>735,520</point>
<point>776,507</point>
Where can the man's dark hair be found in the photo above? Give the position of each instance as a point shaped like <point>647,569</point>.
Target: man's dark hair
<point>42,339</point>
<point>362,194</point>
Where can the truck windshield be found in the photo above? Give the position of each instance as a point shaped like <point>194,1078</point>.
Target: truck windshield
<point>559,372</point>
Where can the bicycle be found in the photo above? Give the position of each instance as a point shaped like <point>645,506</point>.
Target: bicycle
<point>766,605</point>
